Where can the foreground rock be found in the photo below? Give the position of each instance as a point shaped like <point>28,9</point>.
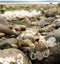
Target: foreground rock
<point>13,56</point>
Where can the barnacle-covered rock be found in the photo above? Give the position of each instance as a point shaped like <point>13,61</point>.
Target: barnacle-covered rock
<point>41,44</point>
<point>29,33</point>
<point>13,56</point>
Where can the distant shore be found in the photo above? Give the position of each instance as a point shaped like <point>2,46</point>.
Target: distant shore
<point>18,2</point>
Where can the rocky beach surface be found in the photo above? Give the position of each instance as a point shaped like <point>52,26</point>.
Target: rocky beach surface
<point>30,34</point>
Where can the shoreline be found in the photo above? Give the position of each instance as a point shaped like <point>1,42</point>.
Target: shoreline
<point>18,2</point>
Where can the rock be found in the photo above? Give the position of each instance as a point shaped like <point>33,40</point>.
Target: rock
<point>14,56</point>
<point>20,27</point>
<point>17,28</point>
<point>6,30</point>
<point>41,44</point>
<point>54,57</point>
<point>45,22</point>
<point>11,41</point>
<point>27,43</point>
<point>48,28</point>
<point>55,33</point>
<point>51,12</point>
<point>23,28</point>
<point>33,24</point>
<point>57,23</point>
<point>4,22</point>
<point>2,34</point>
<point>29,33</point>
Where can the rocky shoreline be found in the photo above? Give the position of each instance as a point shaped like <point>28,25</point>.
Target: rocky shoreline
<point>30,37</point>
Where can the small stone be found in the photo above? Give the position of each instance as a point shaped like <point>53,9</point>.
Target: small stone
<point>23,28</point>
<point>2,34</point>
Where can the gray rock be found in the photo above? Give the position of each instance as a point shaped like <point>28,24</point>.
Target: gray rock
<point>4,21</point>
<point>55,33</point>
<point>45,21</point>
<point>57,23</point>
<point>11,41</point>
<point>14,56</point>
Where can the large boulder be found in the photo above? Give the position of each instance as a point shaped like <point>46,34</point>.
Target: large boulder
<point>13,56</point>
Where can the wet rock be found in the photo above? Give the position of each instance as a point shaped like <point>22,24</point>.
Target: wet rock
<point>51,12</point>
<point>55,33</point>
<point>14,56</point>
<point>54,57</point>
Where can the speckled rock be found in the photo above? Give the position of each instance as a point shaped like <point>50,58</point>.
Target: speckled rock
<point>13,56</point>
